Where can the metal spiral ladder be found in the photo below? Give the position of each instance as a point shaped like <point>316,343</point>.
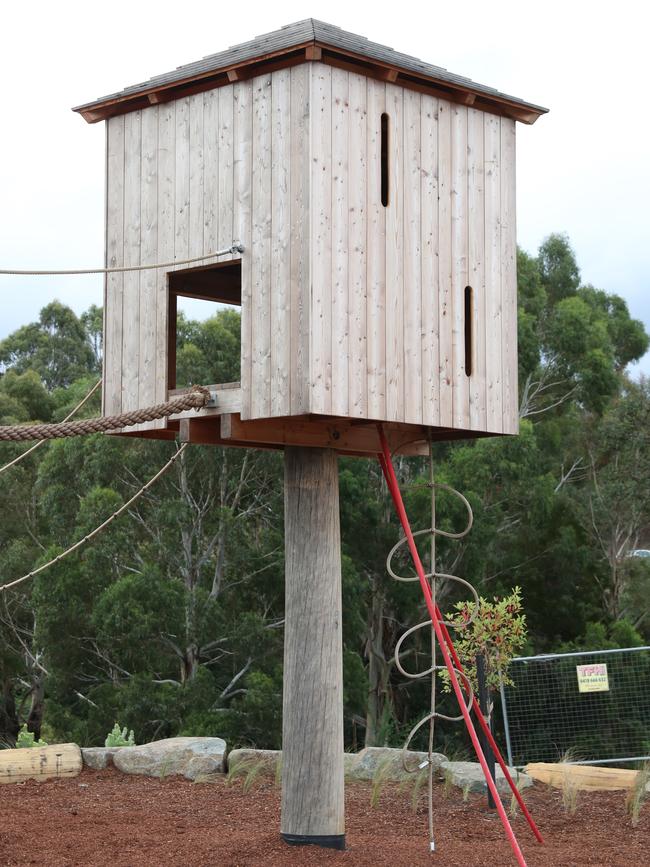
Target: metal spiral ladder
<point>441,638</point>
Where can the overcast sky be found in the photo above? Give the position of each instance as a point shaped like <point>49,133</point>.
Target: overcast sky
<point>583,169</point>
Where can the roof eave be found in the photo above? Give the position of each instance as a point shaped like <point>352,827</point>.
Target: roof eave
<point>304,52</point>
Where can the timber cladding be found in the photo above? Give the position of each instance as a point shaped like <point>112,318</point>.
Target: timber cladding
<point>350,308</point>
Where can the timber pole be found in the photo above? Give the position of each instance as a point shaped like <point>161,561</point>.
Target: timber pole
<point>313,809</point>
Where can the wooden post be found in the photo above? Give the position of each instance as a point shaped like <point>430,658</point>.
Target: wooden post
<point>313,809</point>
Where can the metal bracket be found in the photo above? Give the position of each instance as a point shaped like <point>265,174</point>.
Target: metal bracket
<point>211,404</point>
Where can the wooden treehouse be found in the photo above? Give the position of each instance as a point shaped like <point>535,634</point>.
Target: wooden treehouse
<point>374,198</point>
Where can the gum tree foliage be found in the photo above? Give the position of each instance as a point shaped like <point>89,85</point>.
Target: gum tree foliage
<point>172,621</point>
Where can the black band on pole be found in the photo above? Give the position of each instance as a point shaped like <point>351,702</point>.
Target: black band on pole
<point>327,841</point>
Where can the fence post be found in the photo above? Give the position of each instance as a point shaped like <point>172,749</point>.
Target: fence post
<point>506,725</point>
<point>484,701</point>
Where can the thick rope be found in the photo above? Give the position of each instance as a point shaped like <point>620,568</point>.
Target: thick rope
<point>67,418</point>
<point>101,527</point>
<point>236,247</point>
<point>197,397</point>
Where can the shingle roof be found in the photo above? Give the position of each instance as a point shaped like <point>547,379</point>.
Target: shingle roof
<point>337,43</point>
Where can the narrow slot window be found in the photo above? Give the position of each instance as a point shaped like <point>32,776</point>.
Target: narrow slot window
<point>468,329</point>
<point>384,159</point>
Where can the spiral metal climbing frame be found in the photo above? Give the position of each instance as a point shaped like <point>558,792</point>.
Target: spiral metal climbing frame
<point>441,637</point>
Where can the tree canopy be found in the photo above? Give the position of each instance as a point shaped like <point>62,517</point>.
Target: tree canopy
<point>172,622</point>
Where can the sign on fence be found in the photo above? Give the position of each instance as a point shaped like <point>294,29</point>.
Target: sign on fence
<point>592,678</point>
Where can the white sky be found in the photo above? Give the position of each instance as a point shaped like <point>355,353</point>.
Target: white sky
<point>583,169</point>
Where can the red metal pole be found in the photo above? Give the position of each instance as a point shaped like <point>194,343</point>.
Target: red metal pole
<point>389,471</point>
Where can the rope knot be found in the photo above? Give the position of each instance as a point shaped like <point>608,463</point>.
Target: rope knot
<point>199,395</point>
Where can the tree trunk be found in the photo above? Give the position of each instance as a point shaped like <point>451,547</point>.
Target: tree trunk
<point>35,717</point>
<point>312,725</point>
<point>9,726</point>
<point>377,667</point>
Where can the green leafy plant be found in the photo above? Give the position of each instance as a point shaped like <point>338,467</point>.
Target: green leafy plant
<point>119,738</point>
<point>26,739</point>
<point>497,632</point>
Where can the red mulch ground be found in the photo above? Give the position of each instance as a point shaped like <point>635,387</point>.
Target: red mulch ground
<point>106,818</point>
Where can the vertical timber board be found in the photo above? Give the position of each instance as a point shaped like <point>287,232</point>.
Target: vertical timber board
<point>492,129</point>
<point>300,274</point>
<point>429,270</point>
<point>261,248</point>
<point>312,720</point>
<point>509,278</point>
<point>166,207</point>
<point>132,220</point>
<point>226,176</point>
<point>444,263</point>
<point>460,380</point>
<point>476,269</point>
<point>149,253</point>
<point>211,169</point>
<point>182,180</point>
<point>412,260</point>
<point>376,257</point>
<point>340,215</point>
<point>195,236</point>
<point>243,133</point>
<point>280,259</point>
<point>395,256</point>
<point>320,355</point>
<point>357,285</point>
<point>114,283</point>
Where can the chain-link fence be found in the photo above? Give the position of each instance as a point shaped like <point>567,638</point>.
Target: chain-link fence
<point>591,707</point>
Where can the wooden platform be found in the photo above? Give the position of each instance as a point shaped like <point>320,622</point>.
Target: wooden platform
<point>588,778</point>
<point>221,425</point>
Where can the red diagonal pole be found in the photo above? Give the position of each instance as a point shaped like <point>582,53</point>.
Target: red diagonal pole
<point>477,710</point>
<point>389,470</point>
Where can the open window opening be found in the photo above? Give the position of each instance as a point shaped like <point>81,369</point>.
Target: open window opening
<point>204,336</point>
<point>468,330</point>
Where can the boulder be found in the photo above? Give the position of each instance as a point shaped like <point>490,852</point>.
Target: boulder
<point>468,776</point>
<point>99,758</point>
<point>389,763</point>
<point>193,758</point>
<point>240,761</point>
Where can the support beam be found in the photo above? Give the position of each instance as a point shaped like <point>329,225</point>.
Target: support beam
<point>313,808</point>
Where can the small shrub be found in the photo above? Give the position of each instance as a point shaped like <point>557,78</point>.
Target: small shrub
<point>26,740</point>
<point>118,737</point>
<point>570,785</point>
<point>497,631</point>
<point>637,794</point>
<point>252,769</point>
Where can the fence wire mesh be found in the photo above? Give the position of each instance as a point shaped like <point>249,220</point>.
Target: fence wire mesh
<point>591,707</point>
